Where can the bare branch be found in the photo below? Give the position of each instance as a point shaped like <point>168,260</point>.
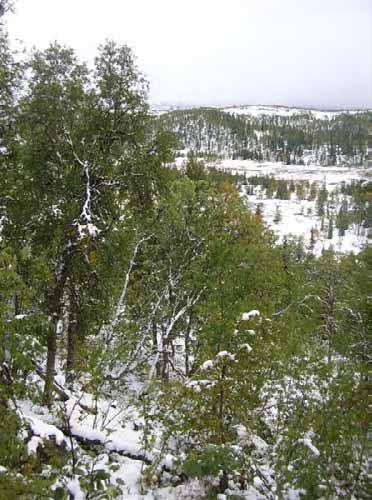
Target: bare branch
<point>121,304</point>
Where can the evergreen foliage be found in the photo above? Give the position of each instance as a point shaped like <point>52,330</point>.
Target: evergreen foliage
<point>292,140</point>
<point>119,275</point>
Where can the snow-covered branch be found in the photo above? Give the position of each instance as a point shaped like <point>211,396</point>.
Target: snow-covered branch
<point>164,338</point>
<point>86,213</point>
<point>121,305</point>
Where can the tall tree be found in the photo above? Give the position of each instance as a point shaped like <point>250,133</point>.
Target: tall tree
<point>84,152</point>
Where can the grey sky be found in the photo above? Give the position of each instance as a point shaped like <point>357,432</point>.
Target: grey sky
<point>310,52</point>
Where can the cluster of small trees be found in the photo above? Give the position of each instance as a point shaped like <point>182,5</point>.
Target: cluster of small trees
<point>349,204</point>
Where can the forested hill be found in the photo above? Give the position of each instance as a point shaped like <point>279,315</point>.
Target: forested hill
<point>298,137</point>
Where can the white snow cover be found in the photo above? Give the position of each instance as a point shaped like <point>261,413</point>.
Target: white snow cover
<point>299,217</point>
<point>115,430</point>
<point>332,175</point>
<point>247,347</point>
<point>46,431</point>
<point>307,442</point>
<point>73,487</point>
<point>260,110</point>
<point>197,385</point>
<point>249,315</point>
<point>130,473</point>
<point>88,229</point>
<point>207,365</point>
<point>257,110</point>
<point>225,355</point>
<point>119,436</point>
<point>33,444</point>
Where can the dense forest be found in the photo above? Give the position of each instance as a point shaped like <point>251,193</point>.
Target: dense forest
<point>297,139</point>
<point>155,339</point>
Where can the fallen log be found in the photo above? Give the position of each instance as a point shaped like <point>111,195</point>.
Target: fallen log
<point>61,391</point>
<point>85,441</point>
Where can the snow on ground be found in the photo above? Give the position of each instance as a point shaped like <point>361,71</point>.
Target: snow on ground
<point>297,217</point>
<point>259,110</point>
<point>296,221</point>
<point>255,110</point>
<point>331,175</point>
<point>118,428</point>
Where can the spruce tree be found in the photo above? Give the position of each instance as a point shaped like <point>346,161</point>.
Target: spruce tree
<point>330,228</point>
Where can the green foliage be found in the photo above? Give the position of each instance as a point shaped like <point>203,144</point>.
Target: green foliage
<point>282,190</point>
<point>21,477</point>
<point>211,461</point>
<point>12,449</point>
<point>286,362</point>
<point>194,169</point>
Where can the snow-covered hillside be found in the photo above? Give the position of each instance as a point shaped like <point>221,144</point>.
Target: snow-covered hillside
<point>332,175</point>
<point>299,217</point>
<point>271,133</point>
<point>260,110</point>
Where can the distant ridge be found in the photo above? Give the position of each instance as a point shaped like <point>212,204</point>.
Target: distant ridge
<point>262,109</point>
<point>224,105</point>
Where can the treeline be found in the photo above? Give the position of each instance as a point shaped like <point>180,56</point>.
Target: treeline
<point>297,139</point>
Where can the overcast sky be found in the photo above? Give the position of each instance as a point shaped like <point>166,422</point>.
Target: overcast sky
<point>294,52</point>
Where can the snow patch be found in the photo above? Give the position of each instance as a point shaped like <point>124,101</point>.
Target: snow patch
<point>246,347</point>
<point>207,365</point>
<point>73,487</point>
<point>249,315</point>
<point>33,445</point>
<point>46,431</point>
<point>225,355</point>
<point>20,316</point>
<point>307,442</point>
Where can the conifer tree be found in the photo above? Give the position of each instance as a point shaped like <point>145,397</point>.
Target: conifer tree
<point>330,228</point>
<point>84,152</point>
<point>278,215</point>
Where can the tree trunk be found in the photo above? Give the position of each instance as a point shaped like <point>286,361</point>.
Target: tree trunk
<point>72,345</point>
<point>187,345</point>
<point>55,306</point>
<point>73,336</point>
<point>165,363</point>
<point>221,405</point>
<point>50,365</point>
<point>156,348</point>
